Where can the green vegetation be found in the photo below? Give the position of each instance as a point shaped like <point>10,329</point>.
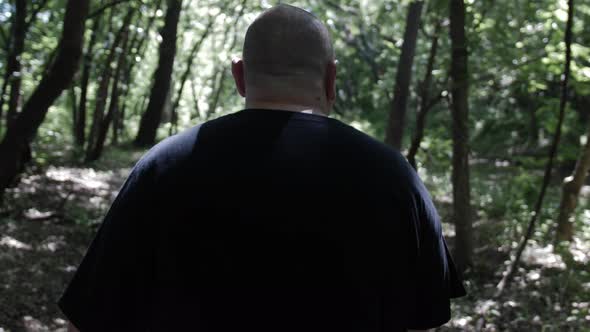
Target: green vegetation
<point>516,54</point>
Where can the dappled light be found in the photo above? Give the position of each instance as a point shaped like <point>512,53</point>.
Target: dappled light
<point>488,101</point>
<point>10,242</point>
<point>47,230</point>
<point>543,256</point>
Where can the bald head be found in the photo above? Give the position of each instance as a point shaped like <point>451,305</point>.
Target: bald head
<point>287,41</point>
<point>288,60</point>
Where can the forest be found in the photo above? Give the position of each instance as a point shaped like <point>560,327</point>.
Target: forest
<point>488,100</point>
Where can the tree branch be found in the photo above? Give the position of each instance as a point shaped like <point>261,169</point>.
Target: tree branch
<point>509,274</point>
<point>346,10</point>
<point>100,10</point>
<point>34,13</point>
<point>3,35</point>
<point>484,12</point>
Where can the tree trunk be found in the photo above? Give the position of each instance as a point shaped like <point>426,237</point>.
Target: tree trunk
<point>150,121</point>
<point>103,90</point>
<point>552,153</point>
<point>569,195</point>
<point>116,120</point>
<point>197,111</point>
<point>119,124</point>
<point>74,105</point>
<point>220,76</point>
<point>13,68</point>
<point>80,120</point>
<point>218,88</point>
<point>460,128</point>
<point>113,105</point>
<point>24,128</point>
<point>425,103</point>
<point>186,73</point>
<point>397,113</point>
<point>137,46</point>
<point>533,139</point>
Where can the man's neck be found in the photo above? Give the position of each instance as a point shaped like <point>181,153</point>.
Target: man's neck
<point>285,107</point>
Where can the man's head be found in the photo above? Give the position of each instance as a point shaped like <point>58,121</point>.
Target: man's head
<point>288,59</point>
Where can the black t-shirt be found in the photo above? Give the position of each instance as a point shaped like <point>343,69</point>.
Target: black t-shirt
<point>267,220</point>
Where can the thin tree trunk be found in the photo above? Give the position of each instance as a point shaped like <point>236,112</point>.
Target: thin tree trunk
<point>460,128</point>
<point>116,120</point>
<point>425,103</point>
<point>2,93</point>
<point>508,275</point>
<point>139,106</point>
<point>35,11</point>
<point>14,67</point>
<point>7,72</point>
<point>195,100</point>
<point>219,79</point>
<point>533,140</point>
<point>119,128</point>
<point>137,47</point>
<point>186,73</point>
<point>569,195</point>
<point>103,89</point>
<point>21,133</point>
<point>150,121</point>
<point>113,105</point>
<point>397,113</point>
<point>221,75</point>
<point>80,121</point>
<point>74,102</point>
<point>102,9</point>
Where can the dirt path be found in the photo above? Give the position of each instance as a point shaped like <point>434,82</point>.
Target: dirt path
<point>50,221</point>
<point>51,217</point>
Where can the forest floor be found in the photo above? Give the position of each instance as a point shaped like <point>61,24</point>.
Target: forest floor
<point>51,216</point>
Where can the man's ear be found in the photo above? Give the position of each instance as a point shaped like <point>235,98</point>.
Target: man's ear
<point>331,82</point>
<point>237,70</point>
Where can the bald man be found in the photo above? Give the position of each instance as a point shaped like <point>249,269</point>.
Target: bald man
<point>275,218</point>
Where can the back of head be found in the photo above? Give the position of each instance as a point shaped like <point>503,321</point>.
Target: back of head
<point>286,43</point>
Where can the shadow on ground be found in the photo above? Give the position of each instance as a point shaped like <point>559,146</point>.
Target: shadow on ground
<point>51,216</point>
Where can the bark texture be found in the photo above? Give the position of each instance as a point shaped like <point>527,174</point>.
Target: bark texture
<point>21,133</point>
<point>425,99</point>
<point>403,78</point>
<point>150,120</point>
<point>569,195</point>
<point>460,133</point>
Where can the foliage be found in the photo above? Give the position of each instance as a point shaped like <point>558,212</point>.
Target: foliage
<point>515,58</point>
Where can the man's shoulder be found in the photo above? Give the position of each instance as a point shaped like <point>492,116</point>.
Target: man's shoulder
<point>381,154</point>
<point>170,151</point>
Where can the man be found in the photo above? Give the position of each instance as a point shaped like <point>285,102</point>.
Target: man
<point>274,218</point>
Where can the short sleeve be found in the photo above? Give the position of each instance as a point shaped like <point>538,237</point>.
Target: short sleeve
<point>110,286</point>
<point>434,276</point>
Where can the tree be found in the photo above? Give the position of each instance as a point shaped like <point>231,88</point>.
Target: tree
<point>16,47</point>
<point>219,78</point>
<point>113,107</point>
<point>80,118</point>
<point>460,132</point>
<point>426,103</point>
<point>151,118</point>
<point>137,46</point>
<point>99,121</point>
<point>189,63</point>
<point>23,129</point>
<point>14,63</point>
<point>552,153</point>
<point>569,194</point>
<point>397,113</point>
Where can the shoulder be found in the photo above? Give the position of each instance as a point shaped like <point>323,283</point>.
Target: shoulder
<point>385,158</point>
<point>169,153</point>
